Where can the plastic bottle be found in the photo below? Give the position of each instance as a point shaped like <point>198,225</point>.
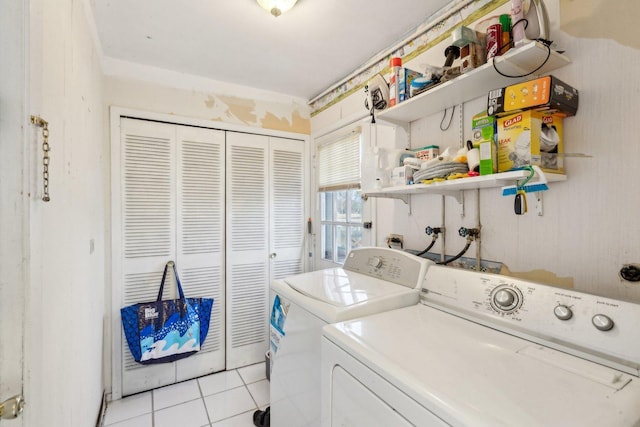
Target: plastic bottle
<point>394,93</point>
<point>505,23</point>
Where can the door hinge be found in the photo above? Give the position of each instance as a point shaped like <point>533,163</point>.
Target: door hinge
<point>12,407</point>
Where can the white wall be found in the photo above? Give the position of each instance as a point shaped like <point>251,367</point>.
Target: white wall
<point>590,227</point>
<point>66,307</point>
<point>14,221</point>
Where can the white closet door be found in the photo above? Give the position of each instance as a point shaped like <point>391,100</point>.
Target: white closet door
<point>169,205</point>
<point>287,221</point>
<point>200,259</point>
<point>247,271</point>
<point>145,240</point>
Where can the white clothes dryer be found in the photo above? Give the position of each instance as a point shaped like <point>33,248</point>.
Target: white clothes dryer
<point>486,350</point>
<point>372,280</point>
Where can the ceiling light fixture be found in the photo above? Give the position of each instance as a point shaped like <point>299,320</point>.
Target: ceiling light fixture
<point>276,7</point>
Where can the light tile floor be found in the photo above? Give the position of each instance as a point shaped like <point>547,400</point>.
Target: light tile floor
<point>224,399</point>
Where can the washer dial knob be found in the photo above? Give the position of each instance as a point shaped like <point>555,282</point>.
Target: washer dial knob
<point>506,299</point>
<point>602,322</point>
<point>563,312</point>
<point>375,262</point>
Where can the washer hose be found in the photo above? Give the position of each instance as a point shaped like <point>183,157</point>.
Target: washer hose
<point>433,242</point>
<point>462,252</point>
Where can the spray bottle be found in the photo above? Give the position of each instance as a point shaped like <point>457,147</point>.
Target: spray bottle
<point>394,88</point>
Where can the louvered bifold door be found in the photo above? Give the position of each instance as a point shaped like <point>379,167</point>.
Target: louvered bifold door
<point>144,234</point>
<point>200,211</point>
<point>287,224</point>
<point>247,263</point>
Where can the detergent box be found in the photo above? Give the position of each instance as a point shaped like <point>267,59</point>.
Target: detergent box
<point>530,138</point>
<point>401,175</point>
<point>427,153</point>
<point>545,93</point>
<point>483,128</point>
<point>552,143</point>
<point>406,77</point>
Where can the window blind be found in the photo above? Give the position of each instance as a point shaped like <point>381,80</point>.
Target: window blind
<point>339,163</point>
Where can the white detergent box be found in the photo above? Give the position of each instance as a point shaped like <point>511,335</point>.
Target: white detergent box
<point>401,175</point>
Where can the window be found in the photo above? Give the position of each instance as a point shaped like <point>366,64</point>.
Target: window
<point>341,223</point>
<point>340,196</point>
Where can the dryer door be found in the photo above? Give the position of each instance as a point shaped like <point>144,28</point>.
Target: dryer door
<point>355,405</point>
<point>354,395</point>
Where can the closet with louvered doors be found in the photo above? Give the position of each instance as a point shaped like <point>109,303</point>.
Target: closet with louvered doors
<point>170,186</point>
<point>167,204</point>
<point>265,235</point>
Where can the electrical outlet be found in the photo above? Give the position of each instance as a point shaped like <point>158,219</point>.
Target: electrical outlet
<point>395,241</point>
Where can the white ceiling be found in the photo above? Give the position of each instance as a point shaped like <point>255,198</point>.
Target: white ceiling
<point>301,53</point>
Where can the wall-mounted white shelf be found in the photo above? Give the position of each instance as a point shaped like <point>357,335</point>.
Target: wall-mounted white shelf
<point>477,82</point>
<point>454,186</point>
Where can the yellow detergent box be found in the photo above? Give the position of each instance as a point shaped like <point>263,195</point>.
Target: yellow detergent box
<point>530,138</point>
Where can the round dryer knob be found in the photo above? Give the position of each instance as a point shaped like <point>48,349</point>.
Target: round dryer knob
<point>602,322</point>
<point>563,312</point>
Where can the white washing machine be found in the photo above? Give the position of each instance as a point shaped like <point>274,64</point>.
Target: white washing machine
<point>372,280</point>
<point>486,350</point>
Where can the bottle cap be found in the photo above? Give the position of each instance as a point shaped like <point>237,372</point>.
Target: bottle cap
<point>395,62</point>
<point>505,22</point>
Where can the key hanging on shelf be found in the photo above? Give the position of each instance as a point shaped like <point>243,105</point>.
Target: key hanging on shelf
<point>40,122</point>
<point>520,202</point>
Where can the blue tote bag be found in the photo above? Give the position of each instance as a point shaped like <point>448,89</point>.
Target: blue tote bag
<point>165,331</point>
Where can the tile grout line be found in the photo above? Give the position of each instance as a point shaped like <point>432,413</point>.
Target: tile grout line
<point>153,411</point>
<point>206,409</point>
<point>249,391</point>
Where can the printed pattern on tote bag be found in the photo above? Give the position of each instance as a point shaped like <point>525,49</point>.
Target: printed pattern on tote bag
<point>165,331</point>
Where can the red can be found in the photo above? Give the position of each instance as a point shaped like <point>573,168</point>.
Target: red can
<point>494,40</point>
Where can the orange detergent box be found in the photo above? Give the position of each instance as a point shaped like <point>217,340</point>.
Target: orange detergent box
<point>545,93</point>
<point>530,138</point>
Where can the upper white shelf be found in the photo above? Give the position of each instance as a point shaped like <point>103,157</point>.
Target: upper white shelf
<point>477,82</point>
<point>502,179</point>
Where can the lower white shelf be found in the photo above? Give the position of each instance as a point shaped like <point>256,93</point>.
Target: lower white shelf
<point>502,179</point>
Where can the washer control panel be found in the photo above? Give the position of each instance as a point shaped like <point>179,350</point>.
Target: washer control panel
<point>564,318</point>
<point>387,264</point>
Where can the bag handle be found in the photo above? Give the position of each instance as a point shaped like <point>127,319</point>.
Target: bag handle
<point>164,276</point>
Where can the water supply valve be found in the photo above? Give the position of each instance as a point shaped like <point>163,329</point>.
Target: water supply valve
<point>433,230</point>
<point>469,233</point>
